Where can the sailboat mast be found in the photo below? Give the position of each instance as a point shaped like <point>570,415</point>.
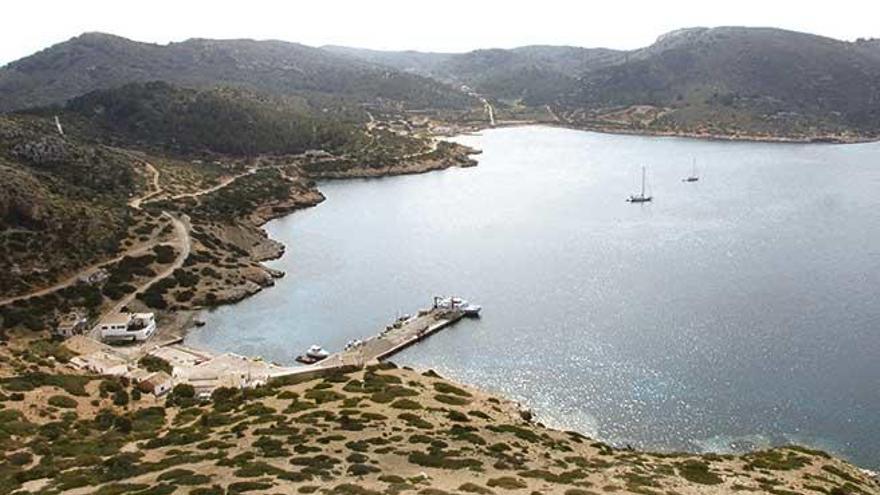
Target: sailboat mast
<point>643,182</point>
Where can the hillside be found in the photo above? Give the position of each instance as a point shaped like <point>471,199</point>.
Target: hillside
<point>95,61</point>
<point>147,172</point>
<point>62,202</point>
<point>728,81</point>
<point>751,79</point>
<point>223,120</point>
<point>374,431</point>
<point>536,74</point>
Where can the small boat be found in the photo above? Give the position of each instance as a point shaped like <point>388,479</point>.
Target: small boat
<point>317,352</point>
<point>693,177</point>
<point>472,310</point>
<point>313,355</point>
<point>640,198</point>
<point>459,304</point>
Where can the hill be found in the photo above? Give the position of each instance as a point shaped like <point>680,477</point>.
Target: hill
<point>96,61</point>
<point>62,202</point>
<point>537,74</point>
<point>745,78</point>
<point>727,81</point>
<point>377,431</point>
<point>219,120</point>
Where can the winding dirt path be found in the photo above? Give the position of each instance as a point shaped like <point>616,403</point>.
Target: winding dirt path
<point>76,277</point>
<point>95,267</point>
<point>224,183</point>
<point>183,245</point>
<point>155,188</point>
<point>490,110</point>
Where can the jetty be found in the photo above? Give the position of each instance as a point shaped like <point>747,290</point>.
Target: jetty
<point>394,338</point>
<point>206,371</point>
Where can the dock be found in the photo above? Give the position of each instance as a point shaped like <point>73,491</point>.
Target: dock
<point>206,371</point>
<point>393,339</point>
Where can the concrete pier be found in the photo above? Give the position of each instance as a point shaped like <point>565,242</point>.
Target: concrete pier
<point>392,339</point>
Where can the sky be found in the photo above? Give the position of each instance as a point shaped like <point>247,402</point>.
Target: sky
<point>439,25</point>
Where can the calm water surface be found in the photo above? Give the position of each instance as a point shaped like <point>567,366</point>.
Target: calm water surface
<point>733,313</point>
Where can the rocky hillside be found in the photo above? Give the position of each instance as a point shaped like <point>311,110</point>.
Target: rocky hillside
<point>726,81</point>
<point>762,77</point>
<point>62,202</point>
<point>536,74</point>
<point>221,120</point>
<point>379,431</point>
<point>95,61</point>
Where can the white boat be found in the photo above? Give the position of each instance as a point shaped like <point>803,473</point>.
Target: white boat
<point>693,177</point>
<point>459,304</point>
<point>317,352</point>
<point>640,198</point>
<point>471,309</point>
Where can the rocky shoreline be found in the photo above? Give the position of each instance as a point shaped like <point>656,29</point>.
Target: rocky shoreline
<point>269,249</point>
<point>749,138</point>
<point>249,235</point>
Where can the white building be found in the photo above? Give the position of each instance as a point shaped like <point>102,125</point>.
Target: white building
<point>158,384</point>
<point>128,327</point>
<point>100,363</point>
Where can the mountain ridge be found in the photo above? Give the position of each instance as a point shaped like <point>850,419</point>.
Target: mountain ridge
<point>95,61</point>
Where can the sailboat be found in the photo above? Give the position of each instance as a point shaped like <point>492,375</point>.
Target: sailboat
<point>693,177</point>
<point>640,198</point>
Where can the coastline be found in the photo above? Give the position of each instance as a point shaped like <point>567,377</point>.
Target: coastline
<point>281,215</point>
<point>269,249</point>
<point>613,130</point>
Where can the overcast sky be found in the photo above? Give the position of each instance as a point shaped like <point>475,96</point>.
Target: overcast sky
<point>438,25</point>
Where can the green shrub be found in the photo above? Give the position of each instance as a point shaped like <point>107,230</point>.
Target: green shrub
<point>436,458</point>
<point>416,421</point>
<point>182,395</point>
<point>452,400</point>
<point>446,388</point>
<point>120,398</point>
<point>247,486</point>
<point>507,482</point>
<point>62,401</point>
<point>474,488</point>
<point>164,254</point>
<point>405,404</point>
<point>213,490</point>
<point>698,472</point>
<point>361,469</point>
<point>155,364</point>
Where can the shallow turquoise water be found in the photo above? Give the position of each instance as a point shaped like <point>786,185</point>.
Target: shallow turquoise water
<point>735,312</point>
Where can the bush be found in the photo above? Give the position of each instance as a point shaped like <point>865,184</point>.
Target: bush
<point>182,395</point>
<point>120,398</point>
<point>452,400</point>
<point>155,364</point>
<point>405,404</point>
<point>361,469</point>
<point>445,388</point>
<point>62,401</point>
<point>164,254</point>
<point>153,299</point>
<point>72,384</point>
<point>698,472</point>
<point>20,458</point>
<point>507,482</point>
